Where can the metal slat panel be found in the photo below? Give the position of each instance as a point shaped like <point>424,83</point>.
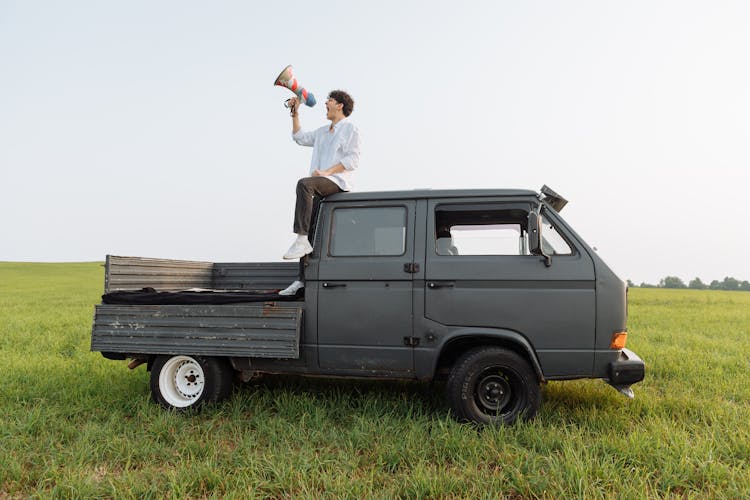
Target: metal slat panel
<point>256,286</point>
<point>153,346</point>
<point>157,282</point>
<point>218,337</point>
<point>137,266</point>
<point>219,330</point>
<point>152,262</point>
<point>256,310</point>
<point>257,265</point>
<point>186,326</point>
<point>182,327</point>
<point>134,273</point>
<point>254,275</point>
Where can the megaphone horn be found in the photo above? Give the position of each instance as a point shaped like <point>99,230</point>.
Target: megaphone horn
<point>286,79</point>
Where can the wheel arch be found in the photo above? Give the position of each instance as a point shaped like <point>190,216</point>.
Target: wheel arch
<point>465,339</point>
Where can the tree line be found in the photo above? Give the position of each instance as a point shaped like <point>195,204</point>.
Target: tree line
<point>728,283</point>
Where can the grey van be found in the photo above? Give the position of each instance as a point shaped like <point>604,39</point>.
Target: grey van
<point>489,290</point>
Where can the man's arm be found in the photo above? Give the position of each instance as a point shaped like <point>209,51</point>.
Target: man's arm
<point>294,105</point>
<point>350,161</point>
<point>300,137</point>
<point>337,168</point>
<point>350,150</point>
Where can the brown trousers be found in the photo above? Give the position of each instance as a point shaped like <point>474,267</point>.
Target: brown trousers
<point>307,189</point>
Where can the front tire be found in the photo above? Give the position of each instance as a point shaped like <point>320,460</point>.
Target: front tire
<point>182,382</point>
<point>491,385</point>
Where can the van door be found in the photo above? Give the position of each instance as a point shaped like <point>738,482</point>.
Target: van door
<point>479,273</point>
<point>364,287</point>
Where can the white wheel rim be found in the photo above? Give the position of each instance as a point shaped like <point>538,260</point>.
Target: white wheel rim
<point>181,381</point>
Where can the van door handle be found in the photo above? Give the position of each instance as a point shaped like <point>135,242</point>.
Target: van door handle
<point>333,285</point>
<point>441,284</point>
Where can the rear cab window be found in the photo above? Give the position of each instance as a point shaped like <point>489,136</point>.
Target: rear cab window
<point>368,231</point>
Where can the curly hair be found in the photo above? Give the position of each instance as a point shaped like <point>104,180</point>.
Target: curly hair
<point>342,97</point>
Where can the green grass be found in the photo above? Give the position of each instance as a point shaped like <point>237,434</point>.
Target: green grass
<point>73,424</point>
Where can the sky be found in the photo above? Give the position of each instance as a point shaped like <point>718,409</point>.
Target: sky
<point>153,129</point>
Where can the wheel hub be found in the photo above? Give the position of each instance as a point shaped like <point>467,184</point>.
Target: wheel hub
<point>188,380</point>
<point>181,381</point>
<point>493,393</point>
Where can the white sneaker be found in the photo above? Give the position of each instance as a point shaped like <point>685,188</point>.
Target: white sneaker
<point>292,289</point>
<point>299,249</point>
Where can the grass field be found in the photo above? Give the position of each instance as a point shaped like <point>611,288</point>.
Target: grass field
<point>73,424</point>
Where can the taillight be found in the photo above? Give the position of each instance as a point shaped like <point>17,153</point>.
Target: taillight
<point>618,340</point>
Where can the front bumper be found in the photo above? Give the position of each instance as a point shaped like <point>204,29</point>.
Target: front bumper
<point>627,369</point>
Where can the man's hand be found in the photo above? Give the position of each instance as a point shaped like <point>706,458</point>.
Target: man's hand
<point>293,104</point>
<point>320,173</point>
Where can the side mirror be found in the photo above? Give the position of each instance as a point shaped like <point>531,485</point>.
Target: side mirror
<point>534,228</point>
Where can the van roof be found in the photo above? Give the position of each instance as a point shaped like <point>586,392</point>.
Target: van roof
<point>428,193</point>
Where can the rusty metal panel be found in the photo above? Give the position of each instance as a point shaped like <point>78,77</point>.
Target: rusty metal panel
<point>134,273</point>
<point>270,330</point>
<point>254,275</point>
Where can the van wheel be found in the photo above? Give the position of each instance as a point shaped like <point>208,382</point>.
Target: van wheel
<point>181,382</point>
<point>491,385</point>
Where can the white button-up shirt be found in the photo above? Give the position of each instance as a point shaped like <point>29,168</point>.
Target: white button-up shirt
<point>330,147</point>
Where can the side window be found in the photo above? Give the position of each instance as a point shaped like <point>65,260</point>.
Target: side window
<point>552,242</point>
<point>477,230</point>
<point>369,231</point>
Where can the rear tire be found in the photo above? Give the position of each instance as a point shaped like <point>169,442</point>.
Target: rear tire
<point>182,382</point>
<point>491,385</point>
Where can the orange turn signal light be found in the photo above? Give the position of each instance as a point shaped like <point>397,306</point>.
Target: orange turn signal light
<point>618,340</point>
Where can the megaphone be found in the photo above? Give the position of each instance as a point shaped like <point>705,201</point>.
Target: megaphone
<point>286,79</point>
